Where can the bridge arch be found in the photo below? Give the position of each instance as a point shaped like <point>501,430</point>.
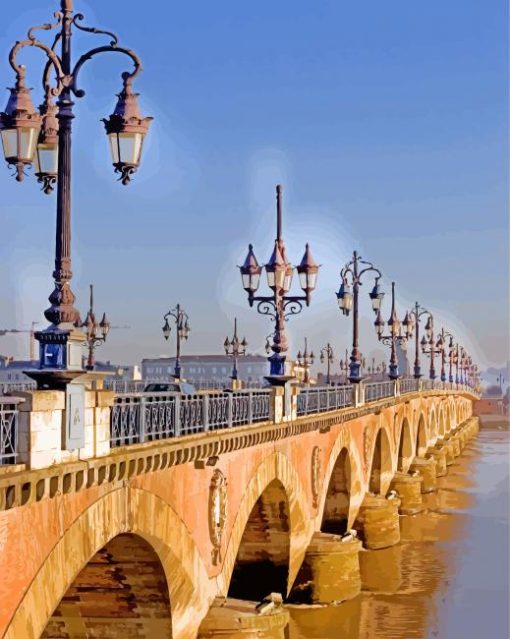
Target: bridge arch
<point>405,447</point>
<point>422,440</point>
<point>277,474</point>
<point>442,425</point>
<point>121,511</point>
<point>381,467</point>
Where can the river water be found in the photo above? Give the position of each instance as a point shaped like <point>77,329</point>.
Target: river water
<point>449,576</point>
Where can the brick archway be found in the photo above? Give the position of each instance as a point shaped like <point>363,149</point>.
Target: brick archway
<point>275,467</point>
<point>120,511</point>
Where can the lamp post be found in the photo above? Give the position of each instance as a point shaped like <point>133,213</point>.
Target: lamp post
<point>306,359</point>
<point>417,313</point>
<point>328,356</point>
<point>394,336</point>
<point>235,348</point>
<point>95,331</point>
<point>441,342</point>
<point>44,137</point>
<point>434,347</point>
<point>351,276</point>
<point>500,380</point>
<point>279,305</point>
<point>182,330</point>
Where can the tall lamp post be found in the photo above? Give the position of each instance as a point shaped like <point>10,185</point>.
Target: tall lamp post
<point>429,345</point>
<point>95,331</point>
<point>394,335</point>
<point>44,136</point>
<point>417,313</point>
<point>182,330</point>
<point>279,305</point>
<point>327,355</point>
<point>305,359</point>
<point>235,348</point>
<point>442,346</point>
<point>351,276</point>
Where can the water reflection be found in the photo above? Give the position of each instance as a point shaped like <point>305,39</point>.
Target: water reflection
<point>449,574</point>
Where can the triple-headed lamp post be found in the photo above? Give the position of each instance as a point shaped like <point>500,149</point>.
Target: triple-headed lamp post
<point>327,355</point>
<point>182,330</point>
<point>429,345</point>
<point>95,332</point>
<point>305,359</point>
<point>44,136</point>
<point>443,346</point>
<point>347,297</point>
<point>279,305</point>
<point>394,336</point>
<point>235,348</point>
<point>417,313</point>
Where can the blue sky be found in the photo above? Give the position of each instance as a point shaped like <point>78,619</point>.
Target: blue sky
<point>386,123</point>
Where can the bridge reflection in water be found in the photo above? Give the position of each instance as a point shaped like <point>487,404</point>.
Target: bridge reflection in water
<point>448,576</point>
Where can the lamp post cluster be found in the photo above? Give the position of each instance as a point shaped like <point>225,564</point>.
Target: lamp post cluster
<point>327,355</point>
<point>279,306</point>
<point>95,332</point>
<point>306,360</point>
<point>235,348</point>
<point>182,330</point>
<point>43,137</point>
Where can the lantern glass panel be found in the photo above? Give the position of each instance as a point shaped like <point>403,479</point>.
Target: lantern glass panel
<point>287,280</point>
<point>46,159</point>
<point>27,143</point>
<point>9,142</point>
<point>126,148</point>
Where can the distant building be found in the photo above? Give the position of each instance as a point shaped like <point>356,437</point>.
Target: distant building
<point>11,372</point>
<point>208,370</point>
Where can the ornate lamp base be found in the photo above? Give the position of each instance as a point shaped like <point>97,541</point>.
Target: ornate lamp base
<point>60,355</point>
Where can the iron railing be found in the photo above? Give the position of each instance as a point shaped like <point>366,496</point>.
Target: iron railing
<point>9,429</point>
<point>409,385</point>
<point>140,417</point>
<point>378,390</point>
<point>320,399</point>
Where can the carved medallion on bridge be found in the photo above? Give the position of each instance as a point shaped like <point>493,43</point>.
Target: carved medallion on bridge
<point>217,513</point>
<point>316,473</point>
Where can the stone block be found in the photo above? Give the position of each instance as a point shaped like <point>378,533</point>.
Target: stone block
<point>42,400</point>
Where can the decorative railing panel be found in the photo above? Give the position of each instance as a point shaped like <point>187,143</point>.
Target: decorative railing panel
<point>379,390</point>
<point>409,385</point>
<point>321,399</point>
<point>8,430</point>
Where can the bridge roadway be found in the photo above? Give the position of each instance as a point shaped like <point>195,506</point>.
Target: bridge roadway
<point>144,540</point>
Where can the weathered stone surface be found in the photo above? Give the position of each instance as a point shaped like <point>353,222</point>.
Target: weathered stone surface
<point>409,490</point>
<point>378,522</point>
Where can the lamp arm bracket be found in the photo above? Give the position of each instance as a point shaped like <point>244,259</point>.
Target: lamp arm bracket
<point>53,61</point>
<point>79,17</point>
<point>47,26</point>
<point>266,306</point>
<point>347,269</point>
<point>126,76</point>
<point>370,267</point>
<point>292,306</point>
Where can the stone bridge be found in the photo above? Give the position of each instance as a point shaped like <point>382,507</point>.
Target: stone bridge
<point>146,540</point>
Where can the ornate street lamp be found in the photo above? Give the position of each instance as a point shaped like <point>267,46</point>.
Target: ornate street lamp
<point>306,360</point>
<point>415,316</point>
<point>44,137</point>
<point>95,332</point>
<point>395,336</point>
<point>347,297</point>
<point>327,355</point>
<point>429,346</point>
<point>279,305</point>
<point>442,345</point>
<point>182,331</point>
<point>235,348</point>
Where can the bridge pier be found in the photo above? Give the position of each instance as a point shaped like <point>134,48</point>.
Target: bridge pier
<point>409,488</point>
<point>426,466</point>
<point>377,521</point>
<point>239,619</point>
<point>439,456</point>
<point>331,569</point>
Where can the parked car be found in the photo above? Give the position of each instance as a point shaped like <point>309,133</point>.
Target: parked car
<point>170,387</point>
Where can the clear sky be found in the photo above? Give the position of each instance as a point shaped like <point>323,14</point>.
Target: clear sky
<point>386,122</point>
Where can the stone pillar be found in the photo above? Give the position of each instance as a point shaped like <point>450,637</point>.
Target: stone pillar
<point>377,521</point>
<point>408,488</point>
<point>427,469</point>
<point>42,422</point>
<point>439,456</point>
<point>455,446</point>
<point>276,412</point>
<point>332,566</point>
<point>238,619</point>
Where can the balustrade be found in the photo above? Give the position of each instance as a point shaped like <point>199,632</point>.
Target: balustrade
<point>9,429</point>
